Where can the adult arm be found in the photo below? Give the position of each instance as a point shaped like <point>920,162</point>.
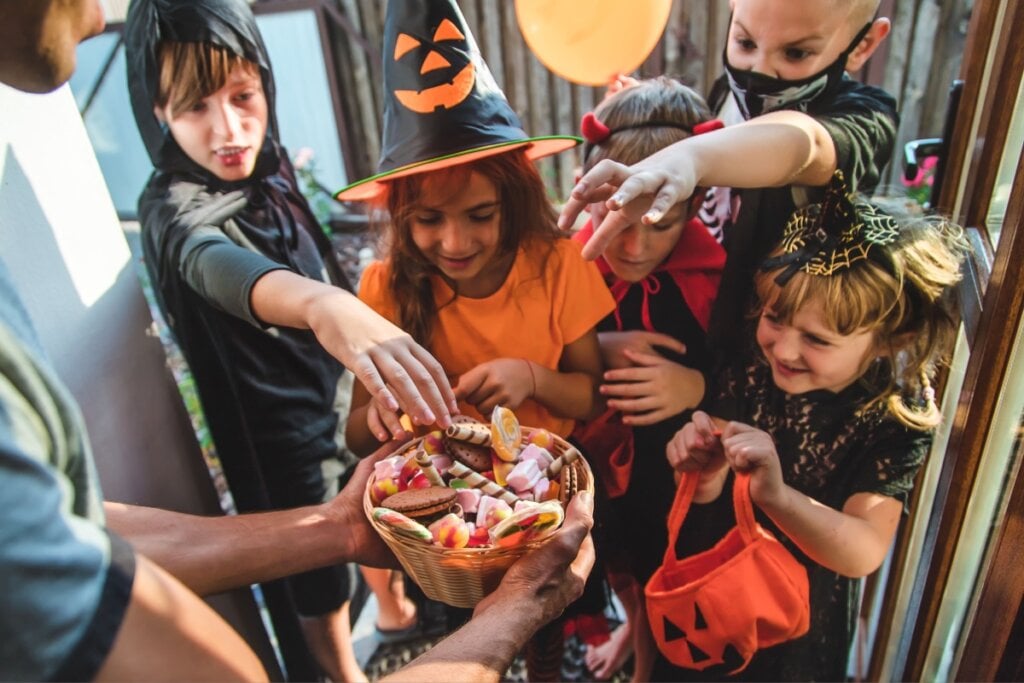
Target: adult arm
<point>169,633</point>
<point>213,554</point>
<point>773,150</point>
<point>536,589</point>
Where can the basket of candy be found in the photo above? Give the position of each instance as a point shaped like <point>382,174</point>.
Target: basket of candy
<point>459,507</point>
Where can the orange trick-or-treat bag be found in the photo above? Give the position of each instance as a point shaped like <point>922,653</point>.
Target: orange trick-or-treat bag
<point>722,605</point>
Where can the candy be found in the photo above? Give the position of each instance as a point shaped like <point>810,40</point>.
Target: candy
<point>469,499</point>
<point>491,511</point>
<point>381,489</point>
<point>531,522</point>
<point>542,491</point>
<point>388,468</point>
<point>524,476</point>
<point>537,453</point>
<point>433,443</point>
<point>505,433</point>
<point>541,438</point>
<point>418,481</point>
<point>450,531</point>
<point>471,432</point>
<point>500,469</point>
<point>401,524</point>
<point>478,536</point>
<point>442,462</point>
<point>477,480</point>
<point>555,468</point>
<point>428,469</point>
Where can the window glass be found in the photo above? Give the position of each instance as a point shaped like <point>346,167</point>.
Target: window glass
<point>304,110</point>
<point>1007,170</point>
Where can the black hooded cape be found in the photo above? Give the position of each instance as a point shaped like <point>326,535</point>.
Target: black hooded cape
<point>267,393</point>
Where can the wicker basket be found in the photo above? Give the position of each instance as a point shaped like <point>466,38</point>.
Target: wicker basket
<point>461,577</point>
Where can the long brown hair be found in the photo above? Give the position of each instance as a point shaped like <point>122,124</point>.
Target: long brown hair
<point>527,216</point>
<point>904,297</point>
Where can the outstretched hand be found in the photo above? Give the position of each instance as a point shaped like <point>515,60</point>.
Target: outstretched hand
<point>551,577</point>
<point>397,371</point>
<point>643,192</point>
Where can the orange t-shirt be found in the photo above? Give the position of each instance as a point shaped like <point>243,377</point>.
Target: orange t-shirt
<point>534,315</point>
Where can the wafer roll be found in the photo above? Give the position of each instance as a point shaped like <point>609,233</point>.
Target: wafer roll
<point>555,468</point>
<point>475,433</point>
<point>479,481</point>
<point>428,469</point>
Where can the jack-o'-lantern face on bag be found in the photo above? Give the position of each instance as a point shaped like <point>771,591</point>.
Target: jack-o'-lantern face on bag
<point>445,76</point>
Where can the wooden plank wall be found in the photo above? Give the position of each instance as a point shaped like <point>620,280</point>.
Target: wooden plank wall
<point>917,64</point>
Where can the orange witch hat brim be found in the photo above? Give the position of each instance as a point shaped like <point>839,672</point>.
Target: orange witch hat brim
<point>369,189</point>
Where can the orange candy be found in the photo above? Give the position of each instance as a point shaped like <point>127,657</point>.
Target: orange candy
<point>506,437</point>
<point>451,531</point>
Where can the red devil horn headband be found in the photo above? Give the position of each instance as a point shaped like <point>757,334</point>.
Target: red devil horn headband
<point>595,132</point>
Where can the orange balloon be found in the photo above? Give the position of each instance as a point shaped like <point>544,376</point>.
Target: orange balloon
<point>592,42</point>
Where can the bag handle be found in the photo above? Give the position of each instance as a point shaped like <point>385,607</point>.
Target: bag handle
<point>742,505</point>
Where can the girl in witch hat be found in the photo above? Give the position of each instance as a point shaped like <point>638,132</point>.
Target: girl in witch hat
<point>474,266</point>
<point>831,414</point>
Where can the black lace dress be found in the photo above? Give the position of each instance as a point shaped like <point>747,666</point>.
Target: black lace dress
<point>830,447</point>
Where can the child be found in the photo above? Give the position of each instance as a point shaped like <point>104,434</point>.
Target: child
<point>250,287</point>
<point>792,118</point>
<point>664,278</point>
<point>473,265</point>
<point>831,413</point>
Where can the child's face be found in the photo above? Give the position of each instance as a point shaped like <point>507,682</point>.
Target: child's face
<point>458,231</point>
<point>805,354</point>
<point>787,39</point>
<point>640,248</point>
<point>224,131</point>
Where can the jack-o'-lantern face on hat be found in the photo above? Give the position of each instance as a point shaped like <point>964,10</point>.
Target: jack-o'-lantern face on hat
<point>446,74</point>
<point>442,106</point>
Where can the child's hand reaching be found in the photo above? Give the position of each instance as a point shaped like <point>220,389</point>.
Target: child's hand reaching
<point>502,381</point>
<point>748,449</point>
<point>383,422</point>
<point>653,389</point>
<point>697,447</point>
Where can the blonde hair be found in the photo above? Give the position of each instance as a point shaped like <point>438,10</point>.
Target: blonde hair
<point>656,99</point>
<point>190,72</point>
<point>902,293</point>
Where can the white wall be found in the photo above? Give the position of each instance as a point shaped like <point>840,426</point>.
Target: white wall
<point>61,241</point>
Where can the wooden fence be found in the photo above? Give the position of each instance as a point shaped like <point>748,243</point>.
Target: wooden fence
<point>917,64</point>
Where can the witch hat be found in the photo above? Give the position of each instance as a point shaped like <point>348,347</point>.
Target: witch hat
<point>831,235</point>
<point>441,105</point>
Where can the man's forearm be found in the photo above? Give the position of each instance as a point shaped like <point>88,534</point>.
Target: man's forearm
<point>482,650</point>
<point>213,554</point>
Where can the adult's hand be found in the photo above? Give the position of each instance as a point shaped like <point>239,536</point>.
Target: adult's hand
<point>551,577</point>
<point>364,544</point>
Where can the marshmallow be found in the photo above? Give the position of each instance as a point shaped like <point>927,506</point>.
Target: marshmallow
<point>469,499</point>
<point>524,476</point>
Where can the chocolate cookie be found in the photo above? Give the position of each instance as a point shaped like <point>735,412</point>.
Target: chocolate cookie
<point>421,503</point>
<point>471,455</point>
